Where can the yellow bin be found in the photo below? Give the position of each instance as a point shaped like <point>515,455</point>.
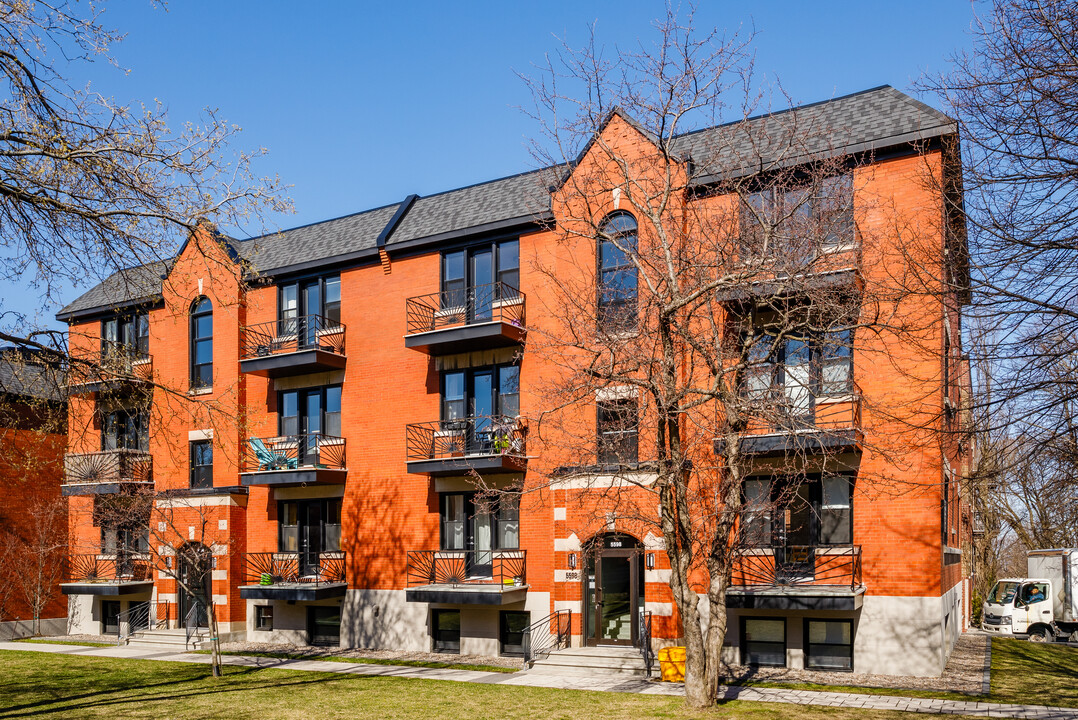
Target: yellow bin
<point>672,664</point>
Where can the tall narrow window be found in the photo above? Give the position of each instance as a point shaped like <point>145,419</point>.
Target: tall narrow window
<point>202,464</point>
<point>617,431</point>
<point>333,301</point>
<point>201,343</point>
<point>836,520</point>
<point>508,522</point>
<point>756,517</point>
<point>617,273</point>
<point>835,353</point>
<point>508,270</point>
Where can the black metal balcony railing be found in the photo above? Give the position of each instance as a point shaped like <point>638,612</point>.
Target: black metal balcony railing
<point>496,302</point>
<point>800,565</point>
<point>467,567</point>
<point>108,466</point>
<point>118,361</point>
<point>275,568</point>
<point>480,435</point>
<point>293,452</point>
<point>106,568</point>
<point>288,335</point>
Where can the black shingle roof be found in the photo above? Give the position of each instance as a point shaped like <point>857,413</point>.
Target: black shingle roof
<point>21,375</point>
<point>865,121</point>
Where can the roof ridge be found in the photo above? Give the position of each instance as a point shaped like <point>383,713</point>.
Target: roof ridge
<point>319,222</point>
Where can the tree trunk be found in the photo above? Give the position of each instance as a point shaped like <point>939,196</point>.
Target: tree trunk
<point>215,643</point>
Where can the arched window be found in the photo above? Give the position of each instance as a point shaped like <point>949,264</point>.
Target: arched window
<point>617,273</point>
<point>201,343</point>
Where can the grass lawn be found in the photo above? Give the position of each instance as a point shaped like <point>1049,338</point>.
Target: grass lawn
<point>83,643</point>
<point>369,661</point>
<point>1022,672</point>
<point>43,685</point>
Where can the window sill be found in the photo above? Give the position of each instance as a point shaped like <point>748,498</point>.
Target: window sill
<point>200,391</point>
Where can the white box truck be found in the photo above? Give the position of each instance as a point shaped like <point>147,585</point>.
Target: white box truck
<point>1042,606</point>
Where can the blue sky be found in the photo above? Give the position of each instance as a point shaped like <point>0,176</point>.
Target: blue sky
<point>360,104</point>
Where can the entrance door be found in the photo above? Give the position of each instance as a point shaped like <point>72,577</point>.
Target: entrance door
<point>613,592</point>
<point>795,556</point>
<point>194,574</point>
<point>465,529</point>
<point>310,549</point>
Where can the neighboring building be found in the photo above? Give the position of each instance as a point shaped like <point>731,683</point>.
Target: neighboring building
<point>33,517</point>
<point>375,361</point>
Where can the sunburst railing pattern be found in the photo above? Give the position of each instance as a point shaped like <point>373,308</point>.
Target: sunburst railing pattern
<point>799,566</point>
<point>105,568</point>
<point>108,466</point>
<point>467,567</point>
<point>494,302</point>
<point>272,568</point>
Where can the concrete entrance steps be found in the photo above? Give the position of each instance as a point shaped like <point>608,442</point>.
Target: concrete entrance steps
<point>173,638</point>
<point>583,661</point>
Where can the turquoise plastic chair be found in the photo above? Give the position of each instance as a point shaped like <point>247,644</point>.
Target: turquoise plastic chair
<point>269,460</point>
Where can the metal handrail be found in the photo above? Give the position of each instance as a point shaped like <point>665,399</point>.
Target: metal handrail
<point>645,641</point>
<point>117,361</point>
<point>830,566</point>
<point>190,621</point>
<point>141,616</point>
<point>286,335</point>
<point>462,437</point>
<point>272,568</point>
<point>291,452</point>
<point>467,567</point>
<point>547,635</point>
<point>494,302</point>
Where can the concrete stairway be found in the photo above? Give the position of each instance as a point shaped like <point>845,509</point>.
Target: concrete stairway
<point>175,638</point>
<point>582,661</point>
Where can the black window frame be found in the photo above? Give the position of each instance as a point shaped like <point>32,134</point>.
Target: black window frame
<point>824,353</point>
<point>809,645</point>
<point>110,616</point>
<point>505,268</point>
<point>496,507</point>
<point>613,417</point>
<point>201,472</point>
<point>330,512</point>
<point>130,331</point>
<point>778,488</point>
<point>328,417</point>
<point>438,644</point>
<point>836,222</point>
<point>744,644</point>
<point>328,309</point>
<point>128,427</point>
<point>501,403</point>
<point>201,372</point>
<point>506,649</point>
<point>328,640</point>
<point>620,314</point>
<point>264,618</point>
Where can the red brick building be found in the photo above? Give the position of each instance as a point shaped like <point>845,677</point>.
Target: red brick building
<point>323,400</point>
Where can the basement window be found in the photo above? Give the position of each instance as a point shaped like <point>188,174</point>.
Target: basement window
<point>263,617</point>
<point>829,645</point>
<point>763,641</point>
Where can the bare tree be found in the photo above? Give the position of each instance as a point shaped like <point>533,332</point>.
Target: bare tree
<point>1015,96</point>
<point>91,186</point>
<point>690,270</point>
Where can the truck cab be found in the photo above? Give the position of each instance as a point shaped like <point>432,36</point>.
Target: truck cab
<point>1020,606</point>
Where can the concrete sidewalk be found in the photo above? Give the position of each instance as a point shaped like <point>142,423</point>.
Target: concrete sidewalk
<point>600,684</point>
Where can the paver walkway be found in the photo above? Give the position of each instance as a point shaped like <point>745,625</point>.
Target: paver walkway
<point>597,683</point>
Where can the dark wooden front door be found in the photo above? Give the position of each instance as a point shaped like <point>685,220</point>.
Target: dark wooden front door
<point>613,589</point>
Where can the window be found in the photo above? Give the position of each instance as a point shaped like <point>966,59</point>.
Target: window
<point>309,526</point>
<point>320,297</point>
<point>202,464</point>
<point>798,371</point>
<point>617,273</point>
<point>110,616</point>
<point>829,644</point>
<point>125,335</point>
<point>324,625</point>
<point>120,537</point>
<point>511,627</point>
<point>618,431</point>
<point>798,223</point>
<point>263,617</point>
<point>311,411</point>
<point>445,630</point>
<point>125,429</point>
<point>470,273</point>
<point>801,511</point>
<point>756,520</point>
<point>481,392</point>
<point>201,343</point>
<point>763,641</point>
<point>836,518</point>
<point>469,523</point>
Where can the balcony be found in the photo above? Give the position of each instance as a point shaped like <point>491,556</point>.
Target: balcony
<point>293,576</point>
<point>293,460</point>
<point>797,578</point>
<point>477,318</point>
<point>120,368</point>
<point>108,574</point>
<point>832,424</point>
<point>484,444</point>
<point>106,472</point>
<point>293,346</point>
<point>470,577</point>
